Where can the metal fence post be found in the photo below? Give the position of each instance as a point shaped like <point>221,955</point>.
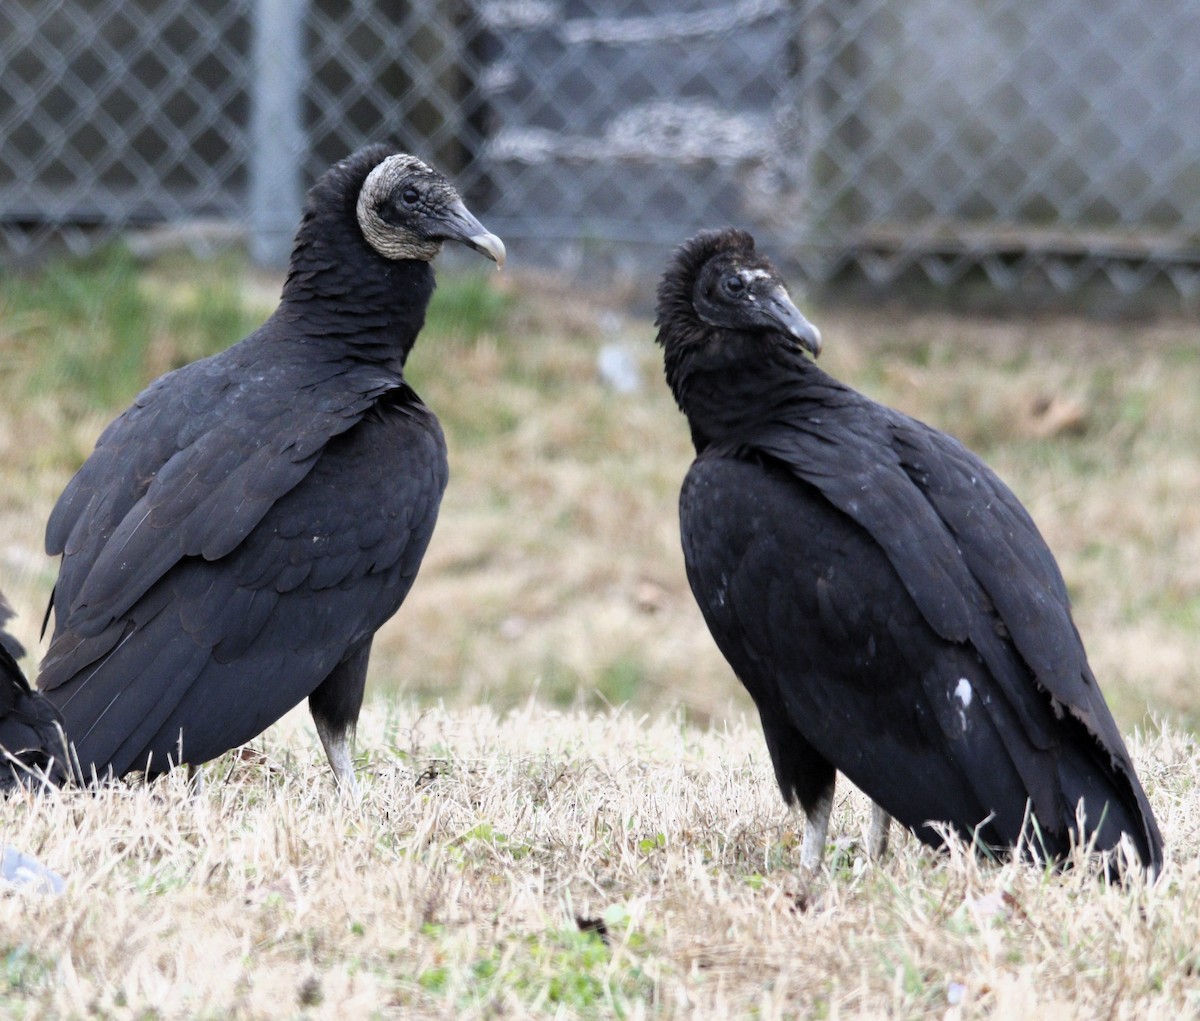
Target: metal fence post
<point>276,131</point>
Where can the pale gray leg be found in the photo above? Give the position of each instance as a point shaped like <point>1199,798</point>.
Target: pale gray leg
<point>334,706</point>
<point>339,748</point>
<point>816,828</point>
<point>877,835</point>
<point>196,778</point>
<point>805,778</point>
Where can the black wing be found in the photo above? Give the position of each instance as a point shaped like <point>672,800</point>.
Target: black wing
<point>191,468</point>
<point>249,566</point>
<point>923,556</point>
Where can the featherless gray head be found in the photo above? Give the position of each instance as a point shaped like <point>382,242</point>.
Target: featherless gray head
<point>719,279</point>
<point>406,210</point>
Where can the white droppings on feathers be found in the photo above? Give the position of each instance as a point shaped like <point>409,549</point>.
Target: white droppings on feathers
<point>964,693</point>
<point>721,589</point>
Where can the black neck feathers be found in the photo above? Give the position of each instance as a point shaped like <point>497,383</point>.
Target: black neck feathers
<point>338,288</point>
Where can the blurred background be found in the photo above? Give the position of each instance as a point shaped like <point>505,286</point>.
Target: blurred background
<point>1051,146</point>
<point>994,208</point>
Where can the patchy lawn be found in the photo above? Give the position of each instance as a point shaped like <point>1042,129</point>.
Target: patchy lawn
<point>564,864</point>
<point>504,802</point>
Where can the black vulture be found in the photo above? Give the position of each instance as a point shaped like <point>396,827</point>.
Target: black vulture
<point>885,599</point>
<point>30,727</point>
<point>239,534</point>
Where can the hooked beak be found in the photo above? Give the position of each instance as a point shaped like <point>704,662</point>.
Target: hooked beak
<point>458,224</point>
<point>777,306</point>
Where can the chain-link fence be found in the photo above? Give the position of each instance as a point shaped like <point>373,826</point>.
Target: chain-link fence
<point>1053,144</point>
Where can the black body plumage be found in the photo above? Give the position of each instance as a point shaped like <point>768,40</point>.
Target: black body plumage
<point>886,600</point>
<point>243,529</point>
<point>30,727</point>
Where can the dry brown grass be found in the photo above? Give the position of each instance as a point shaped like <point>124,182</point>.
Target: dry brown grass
<point>456,887</point>
<point>555,573</point>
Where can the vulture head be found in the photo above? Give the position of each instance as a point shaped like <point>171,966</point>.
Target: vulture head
<point>406,209</point>
<point>717,280</point>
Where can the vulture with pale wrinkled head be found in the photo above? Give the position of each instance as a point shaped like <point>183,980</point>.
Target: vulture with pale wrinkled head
<point>239,534</point>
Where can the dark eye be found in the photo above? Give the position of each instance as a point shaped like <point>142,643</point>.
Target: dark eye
<point>410,196</point>
<point>734,285</point>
